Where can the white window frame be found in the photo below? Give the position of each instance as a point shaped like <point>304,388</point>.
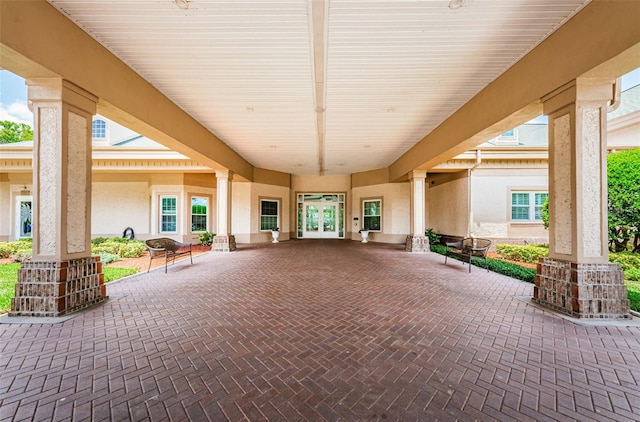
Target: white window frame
<point>364,216</point>
<point>531,206</point>
<point>277,201</point>
<point>161,213</point>
<point>206,214</point>
<point>507,138</point>
<point>93,129</point>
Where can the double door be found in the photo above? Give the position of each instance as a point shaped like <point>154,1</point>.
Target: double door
<point>320,220</point>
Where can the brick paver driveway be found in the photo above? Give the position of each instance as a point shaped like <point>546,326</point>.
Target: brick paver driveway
<point>319,330</point>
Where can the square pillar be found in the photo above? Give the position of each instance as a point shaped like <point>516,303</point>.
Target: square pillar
<point>62,276</point>
<point>417,241</point>
<point>577,277</point>
<point>223,241</point>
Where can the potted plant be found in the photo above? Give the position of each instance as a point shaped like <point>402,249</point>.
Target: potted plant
<point>365,234</point>
<point>275,234</point>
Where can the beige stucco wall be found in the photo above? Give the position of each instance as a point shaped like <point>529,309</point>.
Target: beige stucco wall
<point>320,184</point>
<point>396,211</point>
<point>5,214</point>
<point>491,202</point>
<point>241,211</point>
<point>447,202</point>
<point>118,205</point>
<point>624,132</point>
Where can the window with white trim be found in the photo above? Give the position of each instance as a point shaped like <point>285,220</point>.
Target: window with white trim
<point>527,206</point>
<point>199,213</point>
<point>372,214</point>
<point>509,137</point>
<point>269,214</point>
<point>168,214</point>
<point>99,129</point>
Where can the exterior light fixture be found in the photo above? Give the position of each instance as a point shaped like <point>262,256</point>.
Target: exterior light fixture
<point>182,4</point>
<point>456,4</point>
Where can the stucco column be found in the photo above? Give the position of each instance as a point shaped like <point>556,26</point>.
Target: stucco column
<point>417,241</point>
<point>577,278</point>
<point>62,277</point>
<point>223,241</point>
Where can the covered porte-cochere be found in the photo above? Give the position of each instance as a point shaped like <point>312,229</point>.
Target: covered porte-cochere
<point>570,76</point>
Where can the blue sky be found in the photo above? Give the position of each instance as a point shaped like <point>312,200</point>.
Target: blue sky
<point>13,96</point>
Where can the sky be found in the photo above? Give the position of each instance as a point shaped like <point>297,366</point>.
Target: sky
<point>13,96</point>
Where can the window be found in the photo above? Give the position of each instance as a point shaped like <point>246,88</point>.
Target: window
<point>509,137</point>
<point>99,129</point>
<point>199,214</point>
<point>168,214</point>
<point>269,214</point>
<point>372,214</point>
<point>527,206</point>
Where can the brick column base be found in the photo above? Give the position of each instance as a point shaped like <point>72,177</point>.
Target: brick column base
<point>57,288</point>
<point>592,291</point>
<point>418,244</point>
<point>224,244</point>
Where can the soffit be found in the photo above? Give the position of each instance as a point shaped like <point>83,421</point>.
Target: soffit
<point>319,87</point>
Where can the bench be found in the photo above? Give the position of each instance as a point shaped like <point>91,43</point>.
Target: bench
<point>466,248</point>
<point>168,249</point>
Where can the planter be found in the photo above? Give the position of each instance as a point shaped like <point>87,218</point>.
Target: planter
<point>275,235</point>
<point>365,235</point>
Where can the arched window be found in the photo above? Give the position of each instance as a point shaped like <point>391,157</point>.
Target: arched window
<point>99,129</point>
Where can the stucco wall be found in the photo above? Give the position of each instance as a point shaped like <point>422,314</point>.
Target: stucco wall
<point>447,202</point>
<point>118,205</point>
<point>241,211</point>
<point>396,211</point>
<point>320,184</point>
<point>5,213</point>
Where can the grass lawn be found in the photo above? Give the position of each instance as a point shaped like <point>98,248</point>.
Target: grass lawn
<point>9,277</point>
<point>633,289</point>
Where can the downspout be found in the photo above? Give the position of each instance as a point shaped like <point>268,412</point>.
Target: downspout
<point>469,185</point>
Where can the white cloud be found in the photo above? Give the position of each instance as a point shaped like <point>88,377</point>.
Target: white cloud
<point>16,112</point>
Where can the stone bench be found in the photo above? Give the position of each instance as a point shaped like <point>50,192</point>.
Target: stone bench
<point>168,249</point>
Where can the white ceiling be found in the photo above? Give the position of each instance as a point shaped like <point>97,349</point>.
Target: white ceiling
<point>314,87</point>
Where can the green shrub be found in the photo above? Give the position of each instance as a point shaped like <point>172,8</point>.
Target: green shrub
<point>633,292</point>
<point>529,253</point>
<point>501,267</point>
<point>108,258</point>
<point>632,274</point>
<point>433,237</point>
<point>206,238</point>
<point>7,249</point>
<point>98,241</point>
<point>131,249</point>
<point>627,260</point>
<point>106,247</point>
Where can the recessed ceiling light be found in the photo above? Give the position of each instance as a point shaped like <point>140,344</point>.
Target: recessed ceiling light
<point>182,4</point>
<point>456,4</point>
<point>367,146</point>
<point>249,108</point>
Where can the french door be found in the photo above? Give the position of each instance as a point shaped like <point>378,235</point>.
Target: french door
<point>321,216</point>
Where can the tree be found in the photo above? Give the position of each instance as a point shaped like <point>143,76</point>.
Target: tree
<point>623,173</point>
<point>545,213</point>
<point>11,132</point>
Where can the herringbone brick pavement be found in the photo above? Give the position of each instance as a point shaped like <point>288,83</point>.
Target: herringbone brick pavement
<point>313,331</point>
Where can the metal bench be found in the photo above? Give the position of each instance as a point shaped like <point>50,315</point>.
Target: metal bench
<point>467,248</point>
<point>168,249</point>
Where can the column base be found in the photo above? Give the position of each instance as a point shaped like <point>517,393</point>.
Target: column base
<point>417,244</point>
<point>591,291</point>
<point>224,243</point>
<point>57,288</point>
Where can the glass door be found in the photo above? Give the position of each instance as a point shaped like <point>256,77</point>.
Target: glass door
<point>23,217</point>
<point>321,215</point>
<point>320,221</point>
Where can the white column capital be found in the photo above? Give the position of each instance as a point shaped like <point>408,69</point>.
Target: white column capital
<point>417,174</point>
<point>224,174</point>
<point>57,89</point>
